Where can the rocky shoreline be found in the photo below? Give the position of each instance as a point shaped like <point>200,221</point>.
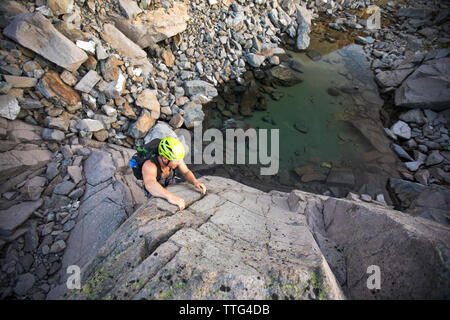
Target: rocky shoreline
<point>97,85</point>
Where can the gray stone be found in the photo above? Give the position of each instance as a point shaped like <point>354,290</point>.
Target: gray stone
<point>90,125</point>
<point>35,32</point>
<point>52,170</point>
<point>274,232</point>
<point>413,165</point>
<point>88,82</point>
<point>30,104</point>
<point>69,225</point>
<point>341,177</point>
<point>160,130</point>
<point>53,135</point>
<point>13,217</point>
<point>114,90</point>
<point>434,158</point>
<point>194,87</point>
<point>427,87</point>
<point>58,246</point>
<point>422,176</point>
<point>401,152</point>
<point>57,123</point>
<point>153,26</point>
<point>255,60</point>
<point>401,129</point>
<point>392,78</point>
<point>75,173</point>
<point>193,117</point>
<point>9,107</point>
<point>129,8</point>
<point>303,39</point>
<point>24,284</point>
<point>33,188</point>
<point>414,116</point>
<point>64,188</point>
<point>99,167</point>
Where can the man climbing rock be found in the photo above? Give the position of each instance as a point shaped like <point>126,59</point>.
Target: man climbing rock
<point>155,163</point>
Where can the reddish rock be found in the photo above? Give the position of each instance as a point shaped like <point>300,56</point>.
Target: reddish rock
<point>140,128</point>
<point>128,112</point>
<point>148,100</point>
<point>169,58</point>
<point>111,69</point>
<point>51,86</point>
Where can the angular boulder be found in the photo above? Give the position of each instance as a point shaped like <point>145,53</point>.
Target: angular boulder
<point>194,87</point>
<point>427,87</point>
<point>9,107</point>
<point>35,32</point>
<point>124,45</point>
<point>153,26</point>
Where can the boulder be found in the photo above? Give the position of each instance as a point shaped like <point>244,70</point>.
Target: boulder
<point>20,82</point>
<point>143,124</point>
<point>194,87</point>
<point>237,242</point>
<point>24,284</point>
<point>193,117</point>
<point>90,125</point>
<point>33,188</point>
<point>255,60</point>
<point>129,8</point>
<point>401,129</point>
<point>147,100</point>
<point>352,236</point>
<point>15,162</point>
<point>392,78</point>
<point>53,135</point>
<point>16,215</point>
<point>426,87</point>
<point>87,83</point>
<point>124,45</point>
<point>35,32</point>
<point>60,6</point>
<point>160,131</point>
<point>414,116</point>
<point>52,87</point>
<point>284,75</point>
<point>111,193</point>
<point>153,26</point>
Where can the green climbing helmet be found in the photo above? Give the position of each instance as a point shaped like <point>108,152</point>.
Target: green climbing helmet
<point>172,149</point>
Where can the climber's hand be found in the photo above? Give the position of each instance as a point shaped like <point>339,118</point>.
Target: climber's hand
<point>200,186</point>
<point>173,199</point>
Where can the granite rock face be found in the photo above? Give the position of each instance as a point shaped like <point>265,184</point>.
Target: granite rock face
<point>237,242</point>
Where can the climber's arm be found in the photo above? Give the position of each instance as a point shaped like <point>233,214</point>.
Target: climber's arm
<point>189,176</point>
<point>149,173</point>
